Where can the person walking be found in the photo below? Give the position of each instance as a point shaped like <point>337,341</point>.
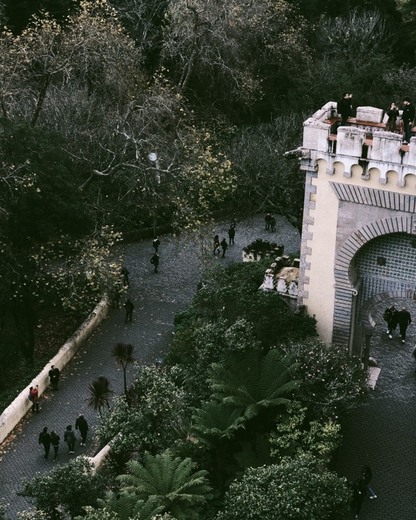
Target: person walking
<point>216,245</point>
<point>224,247</point>
<point>408,117</point>
<point>125,274</point>
<point>155,261</point>
<point>358,494</point>
<point>404,320</point>
<point>45,440</point>
<point>390,315</point>
<point>231,234</point>
<point>55,439</point>
<point>156,244</point>
<point>272,223</point>
<point>129,306</point>
<point>367,475</point>
<point>69,438</point>
<point>267,221</point>
<point>82,425</point>
<point>54,374</point>
<point>34,398</point>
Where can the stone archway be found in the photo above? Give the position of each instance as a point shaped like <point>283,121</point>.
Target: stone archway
<point>346,329</point>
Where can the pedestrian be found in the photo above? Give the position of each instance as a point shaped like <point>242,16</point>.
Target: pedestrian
<point>82,425</point>
<point>344,108</point>
<point>34,398</point>
<point>367,475</point>
<point>45,440</point>
<point>125,274</point>
<point>272,223</point>
<point>231,234</point>
<point>115,296</point>
<point>390,315</point>
<point>129,306</point>
<point>55,439</point>
<point>224,247</point>
<point>267,220</point>
<point>393,114</point>
<point>69,438</point>
<point>156,244</point>
<point>155,261</point>
<point>54,374</point>
<point>358,494</point>
<point>408,117</point>
<point>404,320</point>
<point>216,245</point>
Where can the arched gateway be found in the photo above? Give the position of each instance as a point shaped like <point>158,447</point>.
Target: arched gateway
<point>359,223</point>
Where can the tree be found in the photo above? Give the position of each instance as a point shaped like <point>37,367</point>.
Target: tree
<point>169,482</point>
<point>100,394</point>
<point>295,489</point>
<point>71,487</point>
<point>123,354</point>
<point>253,382</point>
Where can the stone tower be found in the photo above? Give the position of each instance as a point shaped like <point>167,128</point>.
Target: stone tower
<point>359,224</point>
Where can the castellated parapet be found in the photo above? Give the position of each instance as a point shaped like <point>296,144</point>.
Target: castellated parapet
<point>359,220</point>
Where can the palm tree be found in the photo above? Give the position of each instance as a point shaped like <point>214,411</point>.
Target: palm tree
<point>100,393</point>
<point>126,506</point>
<point>169,482</point>
<point>253,382</point>
<point>123,354</point>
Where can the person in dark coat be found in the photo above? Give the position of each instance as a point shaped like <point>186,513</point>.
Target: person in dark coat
<point>391,317</point>
<point>272,223</point>
<point>408,118</point>
<point>55,443</point>
<point>129,306</point>
<point>54,375</point>
<point>224,247</point>
<point>367,475</point>
<point>69,438</point>
<point>82,425</point>
<point>156,244</point>
<point>344,108</point>
<point>404,320</point>
<point>45,440</point>
<point>216,245</point>
<point>393,114</point>
<point>231,234</point>
<point>267,221</point>
<point>155,261</point>
<point>125,275</point>
<point>358,494</point>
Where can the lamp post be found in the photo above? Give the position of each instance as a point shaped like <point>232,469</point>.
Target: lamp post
<point>154,160</point>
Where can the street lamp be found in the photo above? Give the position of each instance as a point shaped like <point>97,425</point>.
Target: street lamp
<point>154,159</point>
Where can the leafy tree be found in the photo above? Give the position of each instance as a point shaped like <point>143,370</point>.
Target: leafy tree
<point>295,489</point>
<point>252,382</point>
<point>71,487</point>
<point>123,354</point>
<point>331,379</point>
<point>172,483</point>
<point>294,434</point>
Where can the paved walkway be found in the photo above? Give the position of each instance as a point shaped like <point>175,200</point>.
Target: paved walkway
<point>382,432</point>
<point>157,298</point>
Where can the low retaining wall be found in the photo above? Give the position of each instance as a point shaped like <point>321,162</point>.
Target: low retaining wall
<point>14,413</point>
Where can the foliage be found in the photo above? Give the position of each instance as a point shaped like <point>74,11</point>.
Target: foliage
<point>331,379</point>
<point>70,486</point>
<point>100,394</point>
<point>172,483</point>
<point>36,514</point>
<point>123,354</point>
<point>152,420</point>
<point>294,434</point>
<point>295,489</point>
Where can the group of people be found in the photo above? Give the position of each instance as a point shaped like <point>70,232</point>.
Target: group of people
<point>270,222</point>
<point>345,110</point>
<point>393,317</point>
<point>221,247</point>
<point>47,439</point>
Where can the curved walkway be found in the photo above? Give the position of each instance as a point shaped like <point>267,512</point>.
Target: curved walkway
<point>157,298</point>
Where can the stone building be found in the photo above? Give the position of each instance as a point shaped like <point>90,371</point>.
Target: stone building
<point>359,224</point>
